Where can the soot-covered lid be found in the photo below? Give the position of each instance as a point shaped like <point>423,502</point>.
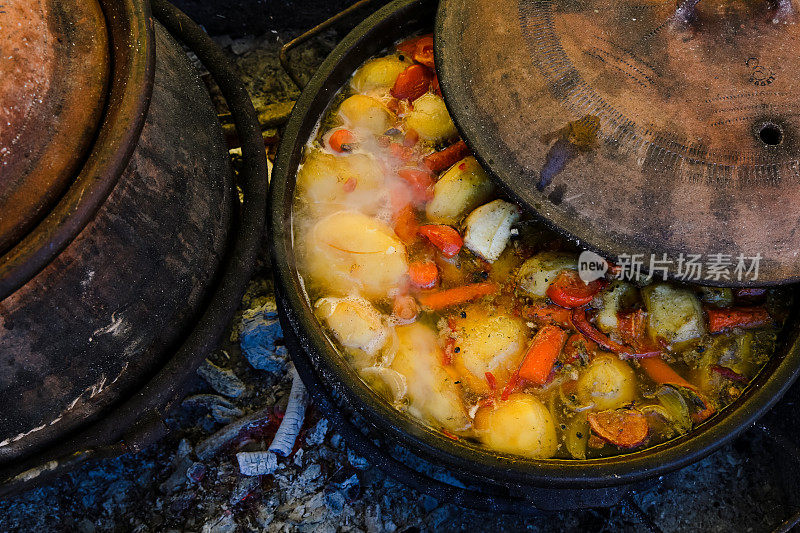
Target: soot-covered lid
<point>639,127</point>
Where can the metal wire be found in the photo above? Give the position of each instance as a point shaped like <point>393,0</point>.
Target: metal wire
<point>319,28</point>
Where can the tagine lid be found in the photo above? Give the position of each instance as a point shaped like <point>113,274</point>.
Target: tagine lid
<point>54,69</point>
<point>642,129</point>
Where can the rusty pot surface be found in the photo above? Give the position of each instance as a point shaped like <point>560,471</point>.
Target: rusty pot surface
<point>53,85</point>
<point>101,317</point>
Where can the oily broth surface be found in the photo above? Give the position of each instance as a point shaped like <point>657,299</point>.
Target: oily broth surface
<point>462,403</point>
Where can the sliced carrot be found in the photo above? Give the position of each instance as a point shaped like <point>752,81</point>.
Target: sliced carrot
<point>737,317</point>
<point>412,83</point>
<point>444,159</point>
<point>405,307</point>
<point>659,371</point>
<point>569,290</point>
<point>421,182</point>
<point>424,275</point>
<point>626,428</point>
<point>423,51</point>
<point>405,224</point>
<point>341,141</point>
<point>458,295</point>
<point>549,314</point>
<point>542,353</point>
<point>445,238</point>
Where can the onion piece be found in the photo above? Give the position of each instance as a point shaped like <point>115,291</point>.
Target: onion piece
<point>394,380</point>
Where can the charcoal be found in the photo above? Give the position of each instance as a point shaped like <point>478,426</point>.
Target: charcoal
<point>257,463</point>
<point>259,338</point>
<point>316,436</point>
<point>222,380</point>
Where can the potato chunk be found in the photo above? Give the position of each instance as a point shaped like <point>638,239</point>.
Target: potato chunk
<point>489,228</point>
<point>538,272</point>
<point>379,73</point>
<point>363,112</point>
<point>521,425</point>
<point>355,323</point>
<point>331,183</point>
<point>351,253</point>
<point>488,340</point>
<point>615,297</point>
<point>431,119</point>
<point>674,313</point>
<point>607,383</point>
<point>461,189</point>
<point>431,390</point>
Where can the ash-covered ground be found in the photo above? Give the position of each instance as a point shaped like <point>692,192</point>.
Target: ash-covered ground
<point>191,481</point>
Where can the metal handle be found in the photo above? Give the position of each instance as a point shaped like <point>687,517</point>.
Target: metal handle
<point>316,30</point>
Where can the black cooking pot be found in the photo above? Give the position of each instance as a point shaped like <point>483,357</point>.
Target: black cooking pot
<point>314,348</point>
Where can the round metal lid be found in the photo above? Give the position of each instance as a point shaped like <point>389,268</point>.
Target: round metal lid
<point>638,127</point>
<point>54,67</point>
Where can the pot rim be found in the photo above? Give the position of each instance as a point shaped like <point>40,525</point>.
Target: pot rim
<point>132,41</point>
<point>372,35</point>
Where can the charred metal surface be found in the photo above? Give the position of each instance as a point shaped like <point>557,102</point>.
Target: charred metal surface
<point>101,317</point>
<point>53,76</point>
<point>683,163</point>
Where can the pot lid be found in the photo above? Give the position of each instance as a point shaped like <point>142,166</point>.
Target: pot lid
<point>648,132</point>
<point>54,67</point>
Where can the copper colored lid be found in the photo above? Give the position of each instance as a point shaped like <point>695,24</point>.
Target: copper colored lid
<point>638,127</point>
<point>54,67</point>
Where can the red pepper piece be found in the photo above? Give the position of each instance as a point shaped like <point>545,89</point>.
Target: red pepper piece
<point>421,182</point>
<point>737,317</point>
<point>423,51</point>
<point>412,83</point>
<point>583,325</point>
<point>444,159</point>
<point>491,380</point>
<point>578,345</point>
<point>625,428</point>
<point>411,138</point>
<point>569,290</point>
<point>729,373</point>
<point>445,238</point>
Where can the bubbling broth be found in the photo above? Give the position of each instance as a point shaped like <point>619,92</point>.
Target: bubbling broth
<point>460,309</point>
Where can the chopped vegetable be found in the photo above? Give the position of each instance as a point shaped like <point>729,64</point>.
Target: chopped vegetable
<point>569,290</point>
<point>408,46</point>
<point>717,296</point>
<point>549,314</point>
<point>412,83</point>
<point>542,353</point>
<point>579,347</point>
<point>737,317</point>
<point>423,51</point>
<point>613,299</point>
<point>445,238</point>
<point>729,374</point>
<point>538,272</point>
<point>341,141</point>
<point>674,313</point>
<point>488,229</point>
<point>405,307</point>
<point>461,189</point>
<point>458,295</point>
<point>659,371</point>
<point>625,428</point>
<point>444,159</point>
<point>583,325</point>
<point>420,181</point>
<point>406,225</point>
<point>424,275</point>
